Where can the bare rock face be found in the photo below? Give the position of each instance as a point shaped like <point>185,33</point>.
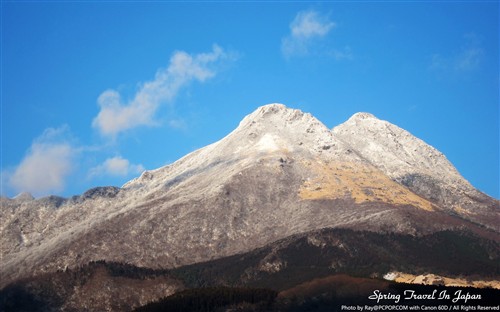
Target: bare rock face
<point>279,173</point>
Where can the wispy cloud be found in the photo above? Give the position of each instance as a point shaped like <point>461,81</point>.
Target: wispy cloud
<point>342,54</point>
<point>179,124</point>
<point>116,166</point>
<point>467,59</point>
<point>306,27</point>
<point>116,116</point>
<point>47,165</point>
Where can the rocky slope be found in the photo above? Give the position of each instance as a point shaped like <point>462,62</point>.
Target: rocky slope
<point>279,173</point>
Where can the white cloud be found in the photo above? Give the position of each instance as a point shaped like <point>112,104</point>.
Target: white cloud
<point>116,166</point>
<point>467,59</point>
<point>342,54</point>
<point>309,24</point>
<point>306,27</point>
<point>178,124</point>
<point>46,166</point>
<point>116,116</point>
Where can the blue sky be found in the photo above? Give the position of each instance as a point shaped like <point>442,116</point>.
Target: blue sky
<point>92,92</point>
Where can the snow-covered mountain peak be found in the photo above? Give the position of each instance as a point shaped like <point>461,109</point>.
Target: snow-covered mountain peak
<point>399,154</point>
<point>362,116</point>
<point>277,128</point>
<point>278,116</point>
<point>366,121</point>
<point>24,196</point>
<point>390,147</point>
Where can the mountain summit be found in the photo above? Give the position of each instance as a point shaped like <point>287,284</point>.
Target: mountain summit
<point>280,173</point>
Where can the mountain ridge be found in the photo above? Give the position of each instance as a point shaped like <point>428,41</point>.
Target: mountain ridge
<point>279,173</point>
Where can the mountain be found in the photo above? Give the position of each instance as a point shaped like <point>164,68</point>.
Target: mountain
<point>279,174</point>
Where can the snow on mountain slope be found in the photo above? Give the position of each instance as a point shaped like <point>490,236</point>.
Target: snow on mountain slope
<point>418,166</point>
<point>395,151</point>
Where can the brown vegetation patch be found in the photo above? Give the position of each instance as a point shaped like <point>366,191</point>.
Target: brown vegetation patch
<point>361,182</point>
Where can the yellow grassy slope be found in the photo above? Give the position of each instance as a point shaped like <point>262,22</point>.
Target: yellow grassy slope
<point>432,279</point>
<point>361,182</point>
